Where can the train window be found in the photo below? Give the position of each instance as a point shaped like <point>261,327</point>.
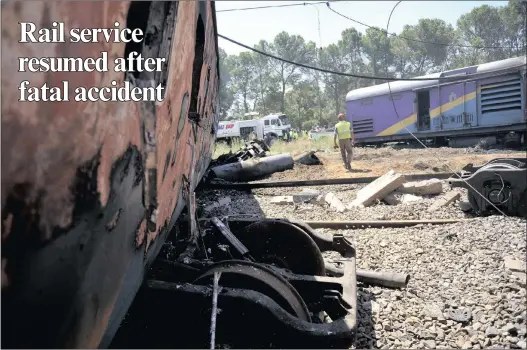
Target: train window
<point>199,48</point>
<point>266,122</point>
<point>395,97</point>
<point>152,17</point>
<point>367,101</point>
<point>274,121</point>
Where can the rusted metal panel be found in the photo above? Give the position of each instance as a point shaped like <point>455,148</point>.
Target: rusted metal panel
<point>74,224</point>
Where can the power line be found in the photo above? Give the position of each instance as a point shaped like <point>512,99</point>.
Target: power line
<point>272,6</point>
<point>415,40</point>
<point>453,78</point>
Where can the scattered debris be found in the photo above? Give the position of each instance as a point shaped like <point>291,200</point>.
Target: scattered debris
<point>395,198</point>
<point>318,200</point>
<point>464,206</point>
<point>459,315</point>
<point>378,189</point>
<point>282,200</point>
<point>334,202</point>
<point>307,158</point>
<point>433,311</point>
<point>253,149</point>
<point>253,169</point>
<point>306,195</point>
<point>220,203</point>
<point>514,264</point>
<point>450,197</point>
<point>422,188</point>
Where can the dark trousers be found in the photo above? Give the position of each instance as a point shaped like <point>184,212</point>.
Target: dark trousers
<point>346,150</point>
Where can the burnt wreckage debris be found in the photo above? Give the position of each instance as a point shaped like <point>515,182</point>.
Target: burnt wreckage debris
<point>255,148</point>
<point>500,183</point>
<point>261,283</point>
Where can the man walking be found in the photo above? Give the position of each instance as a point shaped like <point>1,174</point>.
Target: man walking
<point>344,131</point>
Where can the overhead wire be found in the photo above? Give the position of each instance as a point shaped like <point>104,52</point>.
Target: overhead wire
<point>419,141</point>
<point>411,39</point>
<point>273,6</point>
<point>352,75</point>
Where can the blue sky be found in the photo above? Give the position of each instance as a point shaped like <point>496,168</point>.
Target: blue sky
<point>249,27</point>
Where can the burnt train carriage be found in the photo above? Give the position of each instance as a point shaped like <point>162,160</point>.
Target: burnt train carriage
<point>92,192</point>
<point>461,111</point>
<point>91,189</point>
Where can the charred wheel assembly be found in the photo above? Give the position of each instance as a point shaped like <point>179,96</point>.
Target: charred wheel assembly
<point>271,286</point>
<point>502,183</point>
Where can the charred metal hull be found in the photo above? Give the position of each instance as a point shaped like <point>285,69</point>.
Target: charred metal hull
<point>90,190</point>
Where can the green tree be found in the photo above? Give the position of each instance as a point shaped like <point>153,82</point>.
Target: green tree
<point>301,104</point>
<point>422,54</point>
<point>514,17</point>
<point>226,95</point>
<point>243,77</point>
<point>295,49</point>
<point>481,27</point>
<point>265,81</point>
<point>377,51</point>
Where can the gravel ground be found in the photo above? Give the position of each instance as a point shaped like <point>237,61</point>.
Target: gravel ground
<point>259,204</point>
<point>458,265</point>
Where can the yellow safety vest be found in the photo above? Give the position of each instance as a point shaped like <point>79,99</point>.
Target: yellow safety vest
<point>343,130</point>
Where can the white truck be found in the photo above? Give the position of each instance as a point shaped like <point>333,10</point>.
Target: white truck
<point>274,126</point>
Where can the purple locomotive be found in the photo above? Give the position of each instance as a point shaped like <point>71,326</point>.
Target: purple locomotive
<point>459,113</point>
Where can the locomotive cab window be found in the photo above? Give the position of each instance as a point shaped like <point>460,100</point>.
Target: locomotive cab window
<point>266,122</point>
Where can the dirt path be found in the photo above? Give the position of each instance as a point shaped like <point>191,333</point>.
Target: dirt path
<point>375,162</point>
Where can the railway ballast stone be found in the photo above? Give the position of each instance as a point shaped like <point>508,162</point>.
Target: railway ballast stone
<point>395,198</point>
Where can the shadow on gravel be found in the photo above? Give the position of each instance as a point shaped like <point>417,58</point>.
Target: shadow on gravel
<point>365,324</point>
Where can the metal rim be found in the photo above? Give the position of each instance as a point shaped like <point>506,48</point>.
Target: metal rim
<point>287,243</point>
<point>248,275</point>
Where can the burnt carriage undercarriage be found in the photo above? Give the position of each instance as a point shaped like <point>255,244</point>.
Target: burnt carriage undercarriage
<point>266,286</point>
